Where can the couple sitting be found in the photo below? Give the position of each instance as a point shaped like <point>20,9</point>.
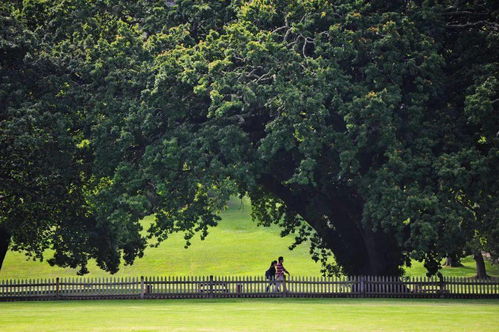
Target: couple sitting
<point>275,275</point>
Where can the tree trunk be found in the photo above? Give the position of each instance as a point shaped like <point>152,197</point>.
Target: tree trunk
<point>481,272</point>
<point>452,261</point>
<point>4,243</point>
<point>357,249</point>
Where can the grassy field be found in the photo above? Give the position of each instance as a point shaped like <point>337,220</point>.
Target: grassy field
<point>236,247</point>
<point>252,315</point>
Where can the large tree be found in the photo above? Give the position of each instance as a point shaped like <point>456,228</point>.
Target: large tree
<point>47,173</point>
<point>366,127</point>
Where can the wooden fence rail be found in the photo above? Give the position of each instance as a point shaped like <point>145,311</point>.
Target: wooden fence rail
<point>219,287</point>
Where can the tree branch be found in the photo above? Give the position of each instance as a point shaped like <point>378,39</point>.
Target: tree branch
<point>493,25</point>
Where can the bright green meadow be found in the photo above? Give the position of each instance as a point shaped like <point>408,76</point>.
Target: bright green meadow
<point>252,315</point>
<point>236,247</point>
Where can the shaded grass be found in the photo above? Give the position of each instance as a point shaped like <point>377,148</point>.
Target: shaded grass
<point>236,247</point>
<point>252,315</point>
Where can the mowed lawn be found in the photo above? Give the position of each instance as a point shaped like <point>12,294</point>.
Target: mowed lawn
<point>236,247</point>
<point>252,315</point>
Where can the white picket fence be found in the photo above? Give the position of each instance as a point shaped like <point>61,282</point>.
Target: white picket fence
<point>221,287</point>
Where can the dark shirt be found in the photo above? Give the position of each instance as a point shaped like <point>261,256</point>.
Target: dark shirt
<point>270,273</point>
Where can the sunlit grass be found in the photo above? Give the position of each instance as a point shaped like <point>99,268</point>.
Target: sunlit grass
<point>236,247</point>
<point>252,315</point>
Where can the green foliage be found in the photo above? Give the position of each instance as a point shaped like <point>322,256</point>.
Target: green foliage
<point>42,172</point>
<point>365,127</point>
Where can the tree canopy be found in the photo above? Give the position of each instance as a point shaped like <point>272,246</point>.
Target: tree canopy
<point>367,128</point>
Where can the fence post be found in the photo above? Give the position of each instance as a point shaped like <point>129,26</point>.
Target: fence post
<point>211,286</point>
<point>142,287</point>
<point>442,286</point>
<point>57,287</point>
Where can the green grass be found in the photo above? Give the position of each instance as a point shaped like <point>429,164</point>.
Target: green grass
<point>252,315</point>
<point>237,247</point>
<point>467,270</point>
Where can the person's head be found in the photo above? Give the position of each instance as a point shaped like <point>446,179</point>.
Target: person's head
<point>273,263</point>
<point>281,259</point>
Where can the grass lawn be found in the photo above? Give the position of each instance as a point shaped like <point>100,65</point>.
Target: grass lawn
<point>236,247</point>
<point>252,315</point>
